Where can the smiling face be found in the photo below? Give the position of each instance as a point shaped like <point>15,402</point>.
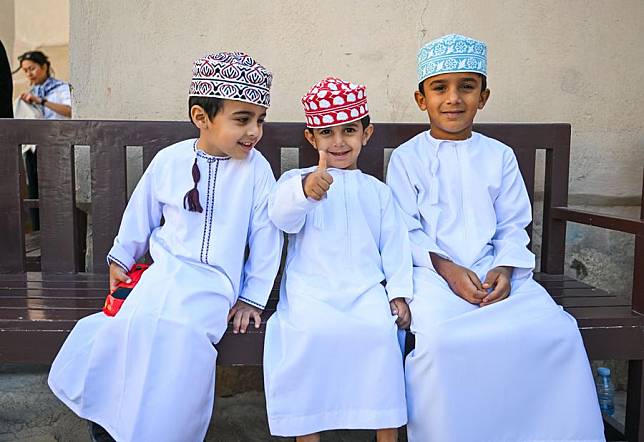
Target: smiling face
<point>342,143</point>
<point>35,73</point>
<point>451,102</point>
<point>233,131</point>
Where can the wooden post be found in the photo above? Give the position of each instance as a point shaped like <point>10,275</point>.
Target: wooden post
<point>638,265</point>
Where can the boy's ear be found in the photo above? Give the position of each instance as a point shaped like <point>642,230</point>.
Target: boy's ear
<point>485,95</point>
<point>420,101</point>
<point>199,116</point>
<point>366,134</point>
<point>308,134</point>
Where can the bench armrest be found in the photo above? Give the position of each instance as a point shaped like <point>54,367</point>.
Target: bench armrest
<point>611,222</point>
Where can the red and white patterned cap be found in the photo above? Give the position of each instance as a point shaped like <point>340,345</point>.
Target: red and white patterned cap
<point>332,102</point>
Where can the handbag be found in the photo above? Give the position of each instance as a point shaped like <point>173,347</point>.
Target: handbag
<point>116,297</point>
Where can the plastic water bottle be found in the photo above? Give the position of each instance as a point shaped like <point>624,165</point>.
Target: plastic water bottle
<point>605,391</point>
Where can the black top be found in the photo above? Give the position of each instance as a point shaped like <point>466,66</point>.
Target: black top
<point>6,85</point>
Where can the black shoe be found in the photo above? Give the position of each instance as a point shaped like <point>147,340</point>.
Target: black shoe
<point>98,433</point>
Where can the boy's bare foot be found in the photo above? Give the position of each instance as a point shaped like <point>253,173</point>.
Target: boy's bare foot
<point>315,437</point>
<point>387,435</point>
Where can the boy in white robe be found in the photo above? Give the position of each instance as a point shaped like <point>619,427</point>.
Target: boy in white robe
<point>495,358</point>
<point>331,356</point>
<point>148,373</point>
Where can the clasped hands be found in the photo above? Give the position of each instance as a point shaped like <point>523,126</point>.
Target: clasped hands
<point>465,283</point>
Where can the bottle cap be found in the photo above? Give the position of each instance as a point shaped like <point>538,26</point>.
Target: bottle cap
<point>603,371</point>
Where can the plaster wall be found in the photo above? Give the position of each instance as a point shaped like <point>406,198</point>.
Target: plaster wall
<point>7,26</point>
<point>548,61</point>
<point>39,25</point>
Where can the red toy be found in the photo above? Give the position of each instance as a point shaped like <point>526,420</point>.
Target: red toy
<point>115,299</point>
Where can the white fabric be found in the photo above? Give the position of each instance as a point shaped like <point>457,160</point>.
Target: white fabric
<point>513,371</point>
<point>25,111</point>
<point>149,372</point>
<point>331,356</point>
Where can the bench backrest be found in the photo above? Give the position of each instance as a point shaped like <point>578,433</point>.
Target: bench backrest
<point>60,238</point>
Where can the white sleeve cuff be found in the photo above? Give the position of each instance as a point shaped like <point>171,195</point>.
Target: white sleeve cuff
<point>118,255</point>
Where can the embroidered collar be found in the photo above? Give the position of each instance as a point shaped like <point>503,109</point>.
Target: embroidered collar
<point>207,156</point>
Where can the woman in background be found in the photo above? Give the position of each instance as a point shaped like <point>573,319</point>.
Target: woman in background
<point>52,98</point>
<point>53,95</point>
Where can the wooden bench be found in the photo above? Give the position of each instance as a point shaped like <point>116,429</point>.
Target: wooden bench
<point>41,297</point>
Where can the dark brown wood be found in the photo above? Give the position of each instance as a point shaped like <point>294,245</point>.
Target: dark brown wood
<point>12,238</point>
<point>616,223</point>
<point>638,264</point>
<point>634,424</point>
<point>58,236</point>
<point>612,342</point>
<point>553,247</point>
<point>526,159</point>
<point>109,193</point>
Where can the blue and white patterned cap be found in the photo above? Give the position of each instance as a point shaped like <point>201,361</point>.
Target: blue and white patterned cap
<point>452,53</point>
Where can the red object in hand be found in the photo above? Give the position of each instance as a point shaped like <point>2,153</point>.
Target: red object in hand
<point>115,299</point>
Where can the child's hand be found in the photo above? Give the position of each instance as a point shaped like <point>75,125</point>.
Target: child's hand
<point>241,314</point>
<point>497,279</point>
<point>463,281</point>
<point>317,183</point>
<point>117,274</point>
<point>399,307</point>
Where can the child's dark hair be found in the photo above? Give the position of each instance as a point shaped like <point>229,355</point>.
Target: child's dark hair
<point>212,105</point>
<point>366,120</point>
<point>483,84</point>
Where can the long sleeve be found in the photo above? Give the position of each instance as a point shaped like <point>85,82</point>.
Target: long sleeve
<point>406,195</point>
<point>513,214</point>
<point>265,243</point>
<point>395,251</point>
<point>142,215</point>
<point>288,206</point>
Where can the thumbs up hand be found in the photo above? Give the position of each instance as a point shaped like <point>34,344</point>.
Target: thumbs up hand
<point>317,183</point>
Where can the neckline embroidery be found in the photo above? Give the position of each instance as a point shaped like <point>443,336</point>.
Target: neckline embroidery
<point>210,158</point>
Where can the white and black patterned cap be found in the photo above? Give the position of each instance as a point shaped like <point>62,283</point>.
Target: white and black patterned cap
<point>231,76</point>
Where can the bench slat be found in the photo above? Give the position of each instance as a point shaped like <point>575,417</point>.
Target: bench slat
<point>281,135</point>
<point>39,276</point>
<point>12,239</point>
<point>46,303</point>
<point>58,240</point>
<point>36,293</point>
<point>96,301</point>
<point>109,193</point>
<point>553,247</point>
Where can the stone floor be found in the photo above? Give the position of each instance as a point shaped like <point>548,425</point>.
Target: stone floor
<point>30,412</point>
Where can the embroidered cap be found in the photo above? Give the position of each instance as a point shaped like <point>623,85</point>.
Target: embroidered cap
<point>452,53</point>
<point>232,76</point>
<point>333,101</point>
